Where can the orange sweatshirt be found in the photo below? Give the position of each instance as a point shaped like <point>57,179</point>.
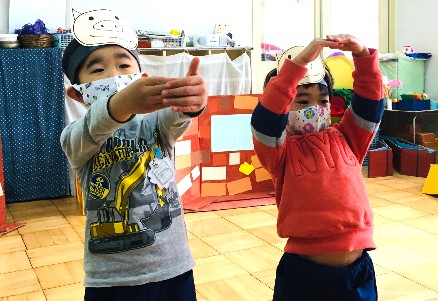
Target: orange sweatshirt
<point>322,202</point>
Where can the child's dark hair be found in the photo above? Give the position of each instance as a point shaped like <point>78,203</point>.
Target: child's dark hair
<point>327,77</point>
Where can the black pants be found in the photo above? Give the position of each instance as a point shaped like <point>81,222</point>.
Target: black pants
<point>299,279</point>
<point>179,288</point>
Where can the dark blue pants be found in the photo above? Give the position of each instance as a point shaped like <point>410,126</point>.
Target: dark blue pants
<point>180,288</point>
<point>302,280</point>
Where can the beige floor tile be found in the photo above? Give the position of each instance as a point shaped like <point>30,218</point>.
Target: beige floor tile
<point>252,220</point>
<point>200,249</point>
<point>33,296</point>
<point>399,212</point>
<point>9,218</point>
<point>381,241</point>
<point>426,223</point>
<point>416,190</point>
<point>11,244</point>
<point>241,288</point>
<point>199,297</point>
<point>50,237</point>
<point>399,196</point>
<point>395,257</point>
<point>399,232</point>
<point>230,261</point>
<point>199,216</point>
<point>215,268</point>
<point>273,212</point>
<point>42,224</point>
<point>378,219</point>
<point>267,277</point>
<point>18,283</point>
<point>237,211</point>
<point>233,241</point>
<point>392,286</point>
<point>376,202</point>
<point>380,270</point>
<point>426,204</point>
<point>40,210</point>
<point>401,182</point>
<point>267,207</point>
<point>256,259</point>
<point>280,246</point>
<point>268,234</point>
<point>13,262</point>
<point>58,254</point>
<point>374,188</point>
<point>75,220</point>
<point>73,292</point>
<point>61,274</point>
<point>80,230</point>
<point>210,227</point>
<point>68,206</point>
<point>428,247</point>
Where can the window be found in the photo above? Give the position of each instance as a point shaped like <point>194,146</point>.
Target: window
<point>286,23</point>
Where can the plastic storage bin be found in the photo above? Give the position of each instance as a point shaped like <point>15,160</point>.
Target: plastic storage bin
<point>414,104</point>
<point>62,40</point>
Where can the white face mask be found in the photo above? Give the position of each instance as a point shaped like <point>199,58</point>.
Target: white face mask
<point>105,88</point>
<point>309,120</point>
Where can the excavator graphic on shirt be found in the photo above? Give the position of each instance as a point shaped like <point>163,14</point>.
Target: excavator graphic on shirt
<point>112,232</point>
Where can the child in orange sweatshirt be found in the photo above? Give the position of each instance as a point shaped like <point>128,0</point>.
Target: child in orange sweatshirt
<point>323,207</point>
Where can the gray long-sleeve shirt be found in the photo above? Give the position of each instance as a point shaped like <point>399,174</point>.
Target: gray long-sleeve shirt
<point>135,231</point>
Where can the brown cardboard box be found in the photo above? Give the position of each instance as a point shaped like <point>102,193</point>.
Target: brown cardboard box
<point>424,137</point>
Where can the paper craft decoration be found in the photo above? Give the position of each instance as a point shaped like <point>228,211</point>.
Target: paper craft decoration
<point>103,26</point>
<point>224,170</point>
<point>246,168</point>
<point>315,70</point>
<point>231,132</point>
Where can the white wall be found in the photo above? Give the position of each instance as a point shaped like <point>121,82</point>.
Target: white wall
<point>416,26</point>
<point>195,17</point>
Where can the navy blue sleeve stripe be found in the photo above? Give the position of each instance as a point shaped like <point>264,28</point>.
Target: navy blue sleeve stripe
<point>370,110</point>
<point>267,122</point>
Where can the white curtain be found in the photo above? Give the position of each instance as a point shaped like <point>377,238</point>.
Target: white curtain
<point>222,75</point>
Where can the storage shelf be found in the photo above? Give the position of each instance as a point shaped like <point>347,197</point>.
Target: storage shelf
<point>198,51</point>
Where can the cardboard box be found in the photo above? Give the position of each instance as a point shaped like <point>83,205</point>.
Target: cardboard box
<point>410,159</point>
<point>424,137</point>
<point>380,161</point>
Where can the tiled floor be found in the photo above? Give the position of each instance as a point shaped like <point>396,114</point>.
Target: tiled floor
<point>236,250</point>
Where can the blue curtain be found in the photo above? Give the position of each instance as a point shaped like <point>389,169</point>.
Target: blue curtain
<point>32,116</point>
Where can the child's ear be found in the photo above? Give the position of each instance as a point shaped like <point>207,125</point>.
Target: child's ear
<point>74,94</point>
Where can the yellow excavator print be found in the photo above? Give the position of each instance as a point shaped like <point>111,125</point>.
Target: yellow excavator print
<point>112,232</point>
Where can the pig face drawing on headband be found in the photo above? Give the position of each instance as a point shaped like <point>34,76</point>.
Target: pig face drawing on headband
<point>101,27</point>
<point>315,69</point>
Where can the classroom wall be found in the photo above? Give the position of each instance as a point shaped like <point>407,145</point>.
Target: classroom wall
<point>416,26</point>
<point>193,16</point>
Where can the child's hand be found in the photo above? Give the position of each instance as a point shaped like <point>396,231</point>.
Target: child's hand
<point>347,42</point>
<point>188,94</point>
<point>312,51</point>
<point>142,96</point>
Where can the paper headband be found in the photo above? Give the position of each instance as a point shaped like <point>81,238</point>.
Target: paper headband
<point>103,27</point>
<point>315,69</point>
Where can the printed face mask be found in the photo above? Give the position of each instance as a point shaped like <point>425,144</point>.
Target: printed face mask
<point>105,88</point>
<point>309,120</point>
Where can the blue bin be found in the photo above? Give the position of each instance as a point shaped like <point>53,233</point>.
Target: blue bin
<point>414,104</point>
